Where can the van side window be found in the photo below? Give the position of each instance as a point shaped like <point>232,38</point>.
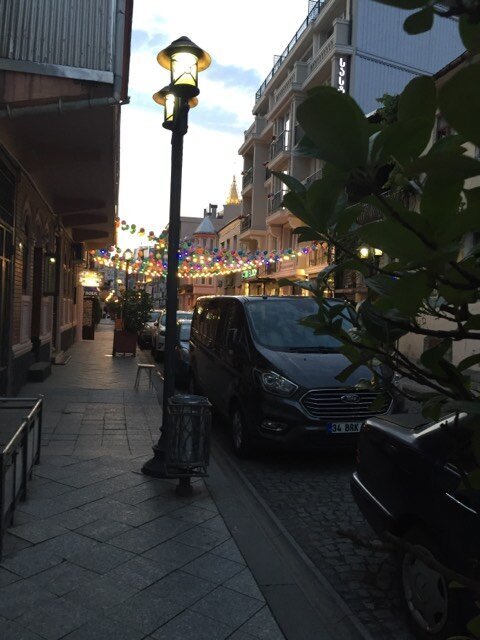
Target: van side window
<point>233,319</point>
<point>198,322</point>
<point>212,318</point>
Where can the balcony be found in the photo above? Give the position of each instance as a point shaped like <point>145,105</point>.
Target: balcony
<point>311,17</point>
<point>247,178</point>
<point>280,144</point>
<point>245,223</point>
<point>271,267</point>
<point>275,202</point>
<point>316,258</point>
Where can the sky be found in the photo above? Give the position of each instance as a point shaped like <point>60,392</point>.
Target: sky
<point>242,39</point>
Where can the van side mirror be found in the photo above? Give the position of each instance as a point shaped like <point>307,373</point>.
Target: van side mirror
<point>155,324</point>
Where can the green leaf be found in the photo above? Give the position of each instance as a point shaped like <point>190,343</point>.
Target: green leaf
<point>431,357</point>
<point>472,323</point>
<point>296,204</point>
<point>448,164</point>
<point>405,294</point>
<point>305,147</point>
<point>470,34</point>
<point>474,626</point>
<point>440,201</point>
<point>347,372</point>
<point>292,183</point>
<point>393,239</point>
<point>419,22</point>
<point>453,142</point>
<point>459,101</point>
<point>466,363</point>
<point>336,125</point>
<point>432,408</point>
<point>404,141</point>
<point>418,100</point>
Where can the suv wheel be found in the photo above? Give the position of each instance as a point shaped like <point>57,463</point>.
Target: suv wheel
<point>436,611</point>
<point>241,439</point>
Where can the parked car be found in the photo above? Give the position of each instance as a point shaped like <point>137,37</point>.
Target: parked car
<point>158,335</point>
<point>182,354</point>
<point>412,481</point>
<point>274,378</point>
<point>145,335</point>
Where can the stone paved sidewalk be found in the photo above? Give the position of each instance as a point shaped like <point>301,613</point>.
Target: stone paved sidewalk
<point>99,550</point>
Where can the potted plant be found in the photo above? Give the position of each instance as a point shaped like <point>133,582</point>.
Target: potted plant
<point>134,311</point>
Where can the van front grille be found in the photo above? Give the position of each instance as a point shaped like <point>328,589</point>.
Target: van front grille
<point>345,404</point>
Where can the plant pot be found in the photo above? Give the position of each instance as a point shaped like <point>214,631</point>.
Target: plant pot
<point>124,342</point>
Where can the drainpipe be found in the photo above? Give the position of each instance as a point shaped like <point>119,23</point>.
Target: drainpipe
<point>59,106</point>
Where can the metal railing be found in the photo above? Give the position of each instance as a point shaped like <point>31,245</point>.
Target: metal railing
<point>19,451</point>
<point>275,201</point>
<point>247,177</point>
<point>315,176</point>
<point>311,17</point>
<point>245,223</point>
<point>281,143</point>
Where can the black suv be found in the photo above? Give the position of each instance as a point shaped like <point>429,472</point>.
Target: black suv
<point>414,480</point>
<point>273,377</point>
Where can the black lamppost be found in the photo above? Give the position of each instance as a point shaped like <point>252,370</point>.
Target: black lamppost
<point>184,59</point>
<point>127,256</point>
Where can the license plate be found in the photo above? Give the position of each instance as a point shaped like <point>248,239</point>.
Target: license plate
<point>344,427</point>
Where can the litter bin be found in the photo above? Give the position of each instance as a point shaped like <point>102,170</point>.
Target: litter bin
<point>188,438</point>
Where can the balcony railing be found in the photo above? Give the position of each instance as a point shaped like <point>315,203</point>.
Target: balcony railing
<point>315,176</point>
<point>311,17</point>
<point>247,178</point>
<point>271,267</point>
<point>245,223</point>
<point>281,143</point>
<point>275,201</point>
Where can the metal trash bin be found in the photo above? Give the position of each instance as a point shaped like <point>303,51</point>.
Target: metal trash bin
<point>188,436</point>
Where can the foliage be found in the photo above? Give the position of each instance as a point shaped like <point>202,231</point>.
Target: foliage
<point>96,310</point>
<point>135,308</point>
<point>427,282</point>
<point>387,113</point>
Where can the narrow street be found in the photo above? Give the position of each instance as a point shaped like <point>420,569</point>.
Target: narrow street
<point>311,498</point>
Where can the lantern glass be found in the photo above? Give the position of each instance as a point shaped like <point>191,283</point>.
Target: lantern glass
<point>364,252</point>
<point>128,255</point>
<point>170,103</point>
<point>184,69</point>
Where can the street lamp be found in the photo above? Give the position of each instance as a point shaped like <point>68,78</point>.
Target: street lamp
<point>184,59</point>
<point>127,256</point>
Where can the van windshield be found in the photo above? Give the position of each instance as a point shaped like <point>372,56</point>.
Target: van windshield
<point>276,324</point>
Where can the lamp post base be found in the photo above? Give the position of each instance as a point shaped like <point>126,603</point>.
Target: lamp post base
<point>155,467</point>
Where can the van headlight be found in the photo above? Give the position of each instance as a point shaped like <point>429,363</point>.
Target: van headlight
<point>275,383</point>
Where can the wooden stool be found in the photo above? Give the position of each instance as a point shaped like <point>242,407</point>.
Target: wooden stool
<point>144,367</point>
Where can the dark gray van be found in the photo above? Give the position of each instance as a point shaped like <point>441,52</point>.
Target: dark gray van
<point>274,378</point>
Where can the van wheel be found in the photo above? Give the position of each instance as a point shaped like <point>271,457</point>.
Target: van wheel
<point>241,439</point>
<point>436,612</point>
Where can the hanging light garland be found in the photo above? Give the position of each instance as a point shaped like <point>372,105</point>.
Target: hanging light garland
<point>194,261</point>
